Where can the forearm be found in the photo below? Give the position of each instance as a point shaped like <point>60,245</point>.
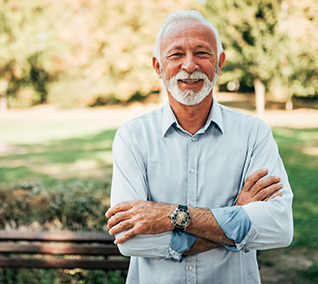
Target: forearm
<point>201,245</point>
<point>204,225</point>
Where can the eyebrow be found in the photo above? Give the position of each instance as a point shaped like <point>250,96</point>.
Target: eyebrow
<point>205,46</point>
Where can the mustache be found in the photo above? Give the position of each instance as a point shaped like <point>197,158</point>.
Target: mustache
<point>196,75</point>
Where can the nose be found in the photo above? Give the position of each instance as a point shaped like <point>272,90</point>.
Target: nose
<point>189,64</point>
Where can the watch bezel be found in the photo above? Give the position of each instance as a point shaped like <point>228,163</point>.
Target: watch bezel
<point>185,219</point>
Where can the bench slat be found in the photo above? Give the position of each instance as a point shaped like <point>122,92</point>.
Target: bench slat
<point>64,263</point>
<point>64,236</point>
<point>45,248</point>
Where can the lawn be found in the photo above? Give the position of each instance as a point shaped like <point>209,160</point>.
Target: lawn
<point>299,262</point>
<point>82,158</point>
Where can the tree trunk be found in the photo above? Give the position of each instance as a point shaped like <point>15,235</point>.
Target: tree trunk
<point>3,104</point>
<point>289,103</point>
<point>259,97</point>
<point>3,95</point>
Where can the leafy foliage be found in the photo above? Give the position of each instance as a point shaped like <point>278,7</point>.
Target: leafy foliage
<point>26,39</point>
<point>270,40</point>
<point>77,206</point>
<point>80,52</point>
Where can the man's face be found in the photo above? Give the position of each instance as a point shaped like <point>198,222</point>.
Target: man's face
<point>188,61</point>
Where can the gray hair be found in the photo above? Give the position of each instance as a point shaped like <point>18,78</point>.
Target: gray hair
<point>185,15</point>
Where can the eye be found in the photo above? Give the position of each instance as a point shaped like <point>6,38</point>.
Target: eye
<point>202,53</point>
<point>175,55</point>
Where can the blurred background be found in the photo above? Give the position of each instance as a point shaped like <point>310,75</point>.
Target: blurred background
<point>72,71</point>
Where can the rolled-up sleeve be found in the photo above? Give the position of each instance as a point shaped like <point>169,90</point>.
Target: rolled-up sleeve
<point>129,182</point>
<point>273,220</point>
<point>260,225</point>
<point>236,225</point>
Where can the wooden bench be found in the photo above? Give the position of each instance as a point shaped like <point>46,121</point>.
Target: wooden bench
<point>96,250</point>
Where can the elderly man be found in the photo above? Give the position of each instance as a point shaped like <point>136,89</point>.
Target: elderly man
<point>191,203</point>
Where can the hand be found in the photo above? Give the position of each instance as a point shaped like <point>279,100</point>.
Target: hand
<point>256,189</point>
<point>139,218</point>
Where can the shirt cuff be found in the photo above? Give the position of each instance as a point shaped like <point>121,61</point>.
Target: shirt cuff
<point>236,225</point>
<point>180,242</point>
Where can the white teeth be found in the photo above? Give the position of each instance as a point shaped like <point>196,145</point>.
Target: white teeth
<point>189,81</point>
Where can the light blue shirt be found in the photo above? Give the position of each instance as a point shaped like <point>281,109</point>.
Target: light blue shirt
<point>155,159</point>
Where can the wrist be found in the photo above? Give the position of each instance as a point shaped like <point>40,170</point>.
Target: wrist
<point>180,218</point>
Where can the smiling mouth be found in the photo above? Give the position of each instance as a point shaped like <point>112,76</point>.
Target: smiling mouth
<point>190,81</point>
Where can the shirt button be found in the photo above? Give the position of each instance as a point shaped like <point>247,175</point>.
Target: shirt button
<point>192,170</point>
<point>191,203</point>
<point>190,267</point>
<point>193,139</point>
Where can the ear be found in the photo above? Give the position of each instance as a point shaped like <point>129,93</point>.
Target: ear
<point>156,66</point>
<point>221,62</point>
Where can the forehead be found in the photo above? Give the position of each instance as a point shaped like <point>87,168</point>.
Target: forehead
<point>185,33</point>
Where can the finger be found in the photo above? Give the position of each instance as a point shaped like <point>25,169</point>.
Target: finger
<point>120,227</point>
<point>125,237</point>
<point>266,192</point>
<point>264,184</point>
<point>123,206</point>
<point>275,194</point>
<point>117,218</point>
<point>253,178</point>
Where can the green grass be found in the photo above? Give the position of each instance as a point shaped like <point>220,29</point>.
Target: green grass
<point>299,151</point>
<point>298,148</point>
<point>88,158</point>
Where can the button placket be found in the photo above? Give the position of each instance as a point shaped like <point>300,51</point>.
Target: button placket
<point>191,274</point>
<point>193,171</point>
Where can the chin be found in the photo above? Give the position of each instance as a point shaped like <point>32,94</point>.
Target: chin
<point>190,99</point>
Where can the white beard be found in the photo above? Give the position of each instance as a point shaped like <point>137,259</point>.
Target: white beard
<point>189,97</point>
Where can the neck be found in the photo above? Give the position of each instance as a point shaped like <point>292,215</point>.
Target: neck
<point>191,118</point>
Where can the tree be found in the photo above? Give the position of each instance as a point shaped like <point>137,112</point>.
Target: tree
<point>297,73</point>
<point>269,45</point>
<point>109,49</point>
<point>25,38</point>
<point>248,30</point>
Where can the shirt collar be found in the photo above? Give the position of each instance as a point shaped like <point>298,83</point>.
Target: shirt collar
<point>215,117</point>
<point>168,118</point>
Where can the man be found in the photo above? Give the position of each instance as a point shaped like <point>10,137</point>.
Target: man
<point>190,203</point>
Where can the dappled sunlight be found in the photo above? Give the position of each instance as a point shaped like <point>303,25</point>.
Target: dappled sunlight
<point>81,169</point>
<point>84,157</point>
<point>310,151</point>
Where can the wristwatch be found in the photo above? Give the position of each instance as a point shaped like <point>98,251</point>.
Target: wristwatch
<point>180,218</point>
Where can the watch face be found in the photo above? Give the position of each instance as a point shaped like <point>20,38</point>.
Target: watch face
<point>181,218</point>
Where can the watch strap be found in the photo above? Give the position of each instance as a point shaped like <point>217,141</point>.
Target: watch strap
<point>184,207</point>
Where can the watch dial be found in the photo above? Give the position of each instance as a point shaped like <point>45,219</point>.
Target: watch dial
<point>181,218</point>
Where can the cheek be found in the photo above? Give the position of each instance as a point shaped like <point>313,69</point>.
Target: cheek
<point>171,69</point>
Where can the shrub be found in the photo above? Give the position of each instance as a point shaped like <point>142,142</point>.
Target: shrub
<point>76,206</point>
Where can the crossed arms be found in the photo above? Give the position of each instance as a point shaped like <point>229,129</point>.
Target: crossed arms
<point>150,218</point>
